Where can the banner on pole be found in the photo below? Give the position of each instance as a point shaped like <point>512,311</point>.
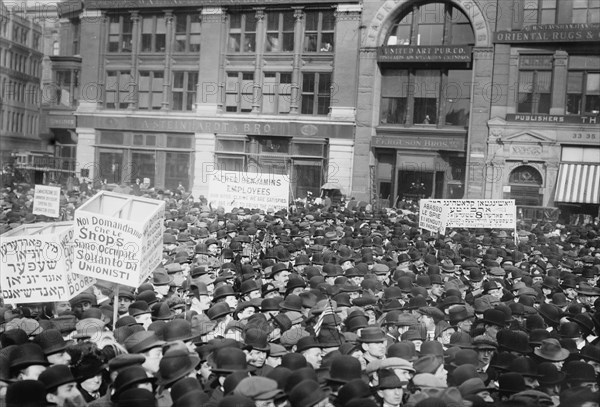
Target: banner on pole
<point>236,189</point>
<point>477,213</point>
<point>119,238</point>
<point>46,201</point>
<point>36,264</point>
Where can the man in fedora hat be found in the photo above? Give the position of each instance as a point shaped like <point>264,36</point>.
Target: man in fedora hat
<point>373,342</point>
<point>61,387</point>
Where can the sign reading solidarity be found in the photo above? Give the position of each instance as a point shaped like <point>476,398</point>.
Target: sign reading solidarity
<point>118,238</point>
<point>36,264</point>
<point>46,201</point>
<point>234,189</point>
<point>432,216</point>
<point>477,213</point>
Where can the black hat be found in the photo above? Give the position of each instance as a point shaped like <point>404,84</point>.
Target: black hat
<point>128,377</point>
<point>142,341</point>
<point>511,383</point>
<point>218,310</point>
<point>307,342</point>
<point>494,317</point>
<point>223,291</point>
<point>228,360</point>
<point>343,369</point>
<point>178,330</point>
<point>88,366</point>
<point>256,339</point>
<point>175,364</point>
<point>550,375</point>
<point>183,387</point>
<point>515,341</point>
<point>51,341</point>
<point>138,308</point>
<point>124,361</point>
<point>371,334</point>
<point>306,394</point>
<point>352,390</point>
<point>55,376</point>
<point>26,393</point>
<point>291,303</point>
<point>137,397</point>
<point>27,354</point>
<point>578,372</point>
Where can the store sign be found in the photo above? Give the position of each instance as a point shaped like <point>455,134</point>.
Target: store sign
<point>61,121</point>
<point>421,142</point>
<point>235,189</point>
<point>551,33</point>
<point>478,213</point>
<point>551,118</point>
<point>404,53</point>
<point>201,125</point>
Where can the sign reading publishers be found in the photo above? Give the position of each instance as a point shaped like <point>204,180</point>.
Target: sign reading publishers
<point>46,201</point>
<point>118,238</point>
<point>234,189</point>
<point>432,216</point>
<point>36,264</point>
<point>478,213</point>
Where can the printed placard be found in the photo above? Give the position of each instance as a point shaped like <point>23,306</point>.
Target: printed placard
<point>46,201</point>
<point>118,238</point>
<point>432,216</point>
<point>235,189</point>
<point>479,213</point>
<point>36,264</point>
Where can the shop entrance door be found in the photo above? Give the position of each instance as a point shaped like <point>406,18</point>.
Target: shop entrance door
<point>420,184</point>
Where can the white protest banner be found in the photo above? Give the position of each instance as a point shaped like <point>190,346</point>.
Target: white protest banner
<point>432,216</point>
<point>235,189</point>
<point>36,264</point>
<point>46,201</point>
<point>118,237</point>
<point>479,213</point>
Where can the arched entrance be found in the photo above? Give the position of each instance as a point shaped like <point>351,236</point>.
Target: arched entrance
<point>525,184</point>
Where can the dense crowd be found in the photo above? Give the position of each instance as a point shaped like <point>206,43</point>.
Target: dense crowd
<point>319,305</point>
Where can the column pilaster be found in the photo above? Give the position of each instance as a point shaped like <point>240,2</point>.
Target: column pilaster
<point>297,61</point>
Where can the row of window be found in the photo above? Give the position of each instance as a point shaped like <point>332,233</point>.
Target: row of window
<point>18,62</point>
<point>275,96</point>
<point>244,31</point>
<point>13,90</point>
<point>536,85</point>
<point>18,122</point>
<point>545,12</point>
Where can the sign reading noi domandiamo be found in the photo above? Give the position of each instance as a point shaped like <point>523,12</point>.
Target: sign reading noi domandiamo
<point>430,53</point>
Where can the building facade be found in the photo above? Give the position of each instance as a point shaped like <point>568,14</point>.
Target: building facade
<point>175,93</point>
<point>544,132</point>
<point>20,92</point>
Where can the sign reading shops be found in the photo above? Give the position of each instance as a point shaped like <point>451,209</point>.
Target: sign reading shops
<point>471,213</point>
<point>36,264</point>
<point>236,189</point>
<point>404,53</point>
<point>550,32</point>
<point>118,238</point>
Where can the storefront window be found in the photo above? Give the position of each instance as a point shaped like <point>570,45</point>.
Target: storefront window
<point>143,166</point>
<point>110,164</point>
<point>177,170</point>
<point>525,182</point>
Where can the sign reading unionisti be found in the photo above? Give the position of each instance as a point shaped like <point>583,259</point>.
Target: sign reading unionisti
<point>46,201</point>
<point>235,189</point>
<point>36,264</point>
<point>118,238</point>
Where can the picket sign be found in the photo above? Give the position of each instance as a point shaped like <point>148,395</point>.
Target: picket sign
<point>118,237</point>
<point>36,264</point>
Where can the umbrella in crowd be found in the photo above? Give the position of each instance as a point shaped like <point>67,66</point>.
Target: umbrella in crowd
<point>317,306</point>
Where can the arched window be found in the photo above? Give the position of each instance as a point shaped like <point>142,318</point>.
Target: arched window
<point>55,48</point>
<point>525,183</point>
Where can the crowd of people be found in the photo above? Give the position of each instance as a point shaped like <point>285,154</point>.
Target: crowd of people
<point>319,306</point>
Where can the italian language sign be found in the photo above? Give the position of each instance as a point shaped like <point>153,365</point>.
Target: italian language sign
<point>478,213</point>
<point>233,189</point>
<point>36,264</point>
<point>432,216</point>
<point>123,247</point>
<point>46,201</point>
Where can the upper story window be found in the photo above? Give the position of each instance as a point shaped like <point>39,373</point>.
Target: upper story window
<point>432,24</point>
<point>154,34</point>
<point>187,33</point>
<point>76,34</point>
<point>586,11</point>
<point>36,41</point>
<point>539,12</point>
<point>119,33</point>
<point>535,84</point>
<point>242,32</point>
<point>280,32</point>
<point>583,85</point>
<point>319,31</point>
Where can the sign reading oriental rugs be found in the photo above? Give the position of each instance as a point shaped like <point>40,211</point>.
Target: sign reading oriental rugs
<point>551,32</point>
<point>433,53</point>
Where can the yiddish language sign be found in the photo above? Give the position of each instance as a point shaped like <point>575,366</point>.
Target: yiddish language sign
<point>118,238</point>
<point>46,201</point>
<point>36,264</point>
<point>478,213</point>
<point>432,216</point>
<point>234,189</point>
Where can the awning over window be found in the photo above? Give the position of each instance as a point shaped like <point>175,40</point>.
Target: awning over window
<point>578,183</point>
